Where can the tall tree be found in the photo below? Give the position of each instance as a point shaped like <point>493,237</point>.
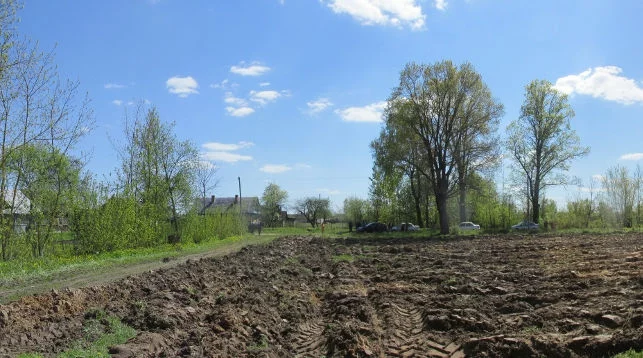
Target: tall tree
<point>205,179</point>
<point>272,202</point>
<point>356,210</point>
<point>541,141</point>
<point>36,107</point>
<point>620,191</point>
<point>158,170</point>
<point>447,109</point>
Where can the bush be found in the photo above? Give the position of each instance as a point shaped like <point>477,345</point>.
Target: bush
<point>219,225</point>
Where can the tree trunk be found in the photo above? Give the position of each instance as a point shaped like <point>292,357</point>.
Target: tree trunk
<point>535,211</point>
<point>416,200</point>
<point>462,200</point>
<point>441,197</point>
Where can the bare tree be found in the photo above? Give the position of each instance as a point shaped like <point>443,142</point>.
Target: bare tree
<point>313,208</point>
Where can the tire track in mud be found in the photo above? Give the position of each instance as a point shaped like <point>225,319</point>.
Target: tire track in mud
<point>408,336</point>
<point>310,340</point>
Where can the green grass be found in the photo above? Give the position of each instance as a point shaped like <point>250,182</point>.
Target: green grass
<point>24,271</point>
<point>630,354</point>
<point>343,258</point>
<point>100,332</point>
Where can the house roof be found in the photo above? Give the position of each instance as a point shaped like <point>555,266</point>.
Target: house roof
<point>20,206</point>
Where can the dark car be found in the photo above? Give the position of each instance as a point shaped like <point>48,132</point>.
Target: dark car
<point>373,227</point>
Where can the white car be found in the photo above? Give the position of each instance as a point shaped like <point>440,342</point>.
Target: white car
<point>409,227</point>
<point>468,225</point>
<point>525,225</point>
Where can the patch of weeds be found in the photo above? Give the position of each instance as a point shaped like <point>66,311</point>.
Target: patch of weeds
<point>140,305</point>
<point>343,258</point>
<point>451,280</point>
<point>630,354</point>
<point>531,330</point>
<point>260,345</point>
<point>100,331</point>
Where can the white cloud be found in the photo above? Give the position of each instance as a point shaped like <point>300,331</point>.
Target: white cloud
<point>398,13</point>
<point>602,82</point>
<point>369,113</point>
<point>275,168</point>
<point>117,102</point>
<point>328,191</point>
<point>441,4</point>
<point>236,101</point>
<point>182,86</point>
<point>264,84</point>
<point>222,152</point>
<point>303,166</point>
<point>584,189</point>
<point>253,69</point>
<point>239,112</point>
<point>632,156</point>
<point>227,157</point>
<point>598,177</point>
<point>114,86</point>
<point>318,105</point>
<point>265,97</point>
<point>214,146</point>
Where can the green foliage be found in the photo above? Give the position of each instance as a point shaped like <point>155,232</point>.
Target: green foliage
<point>542,143</point>
<point>100,333</point>
<point>272,201</point>
<point>120,223</point>
<point>212,225</point>
<point>630,354</point>
<point>356,210</point>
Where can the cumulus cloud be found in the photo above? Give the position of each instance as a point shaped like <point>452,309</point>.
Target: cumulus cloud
<point>227,157</point>
<point>215,146</point>
<point>236,101</point>
<point>441,4</point>
<point>224,85</point>
<point>264,84</point>
<point>114,86</point>
<point>369,113</point>
<point>602,82</point>
<point>182,86</point>
<point>275,168</point>
<point>239,112</point>
<point>265,97</point>
<point>253,69</point>
<point>318,105</point>
<point>632,156</point>
<point>223,152</point>
<point>398,13</point>
<point>117,102</point>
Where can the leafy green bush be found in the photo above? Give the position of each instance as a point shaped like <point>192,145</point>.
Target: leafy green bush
<point>219,225</point>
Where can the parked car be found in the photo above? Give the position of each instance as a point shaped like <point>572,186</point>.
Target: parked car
<point>373,227</point>
<point>405,227</point>
<point>525,225</point>
<point>468,225</point>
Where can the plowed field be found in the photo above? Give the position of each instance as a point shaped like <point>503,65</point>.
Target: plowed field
<point>516,296</point>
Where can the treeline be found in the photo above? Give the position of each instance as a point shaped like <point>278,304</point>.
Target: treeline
<point>439,141</point>
<point>48,201</point>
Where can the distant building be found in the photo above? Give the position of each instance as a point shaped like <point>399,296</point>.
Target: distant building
<point>250,207</point>
<point>16,204</point>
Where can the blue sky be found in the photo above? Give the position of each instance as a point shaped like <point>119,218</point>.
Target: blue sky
<point>291,91</point>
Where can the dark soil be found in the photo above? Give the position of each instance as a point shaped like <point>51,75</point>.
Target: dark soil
<point>512,296</point>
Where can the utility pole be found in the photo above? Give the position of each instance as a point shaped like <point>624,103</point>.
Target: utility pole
<point>240,211</point>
